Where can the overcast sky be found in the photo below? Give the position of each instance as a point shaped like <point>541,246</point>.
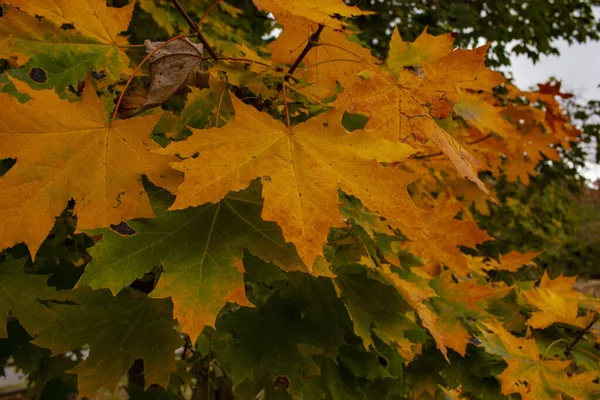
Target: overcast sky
<point>578,67</point>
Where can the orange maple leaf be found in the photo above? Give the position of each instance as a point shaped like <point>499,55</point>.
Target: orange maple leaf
<point>70,151</point>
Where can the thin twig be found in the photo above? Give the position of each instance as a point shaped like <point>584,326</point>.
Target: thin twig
<point>195,29</point>
<point>248,60</point>
<point>185,15</point>
<point>581,334</point>
<point>313,38</point>
<point>209,9</point>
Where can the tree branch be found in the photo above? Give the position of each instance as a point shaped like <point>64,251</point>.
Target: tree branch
<point>194,29</point>
<point>581,334</point>
<point>313,38</point>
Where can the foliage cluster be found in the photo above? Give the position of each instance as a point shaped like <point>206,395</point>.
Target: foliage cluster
<point>294,218</point>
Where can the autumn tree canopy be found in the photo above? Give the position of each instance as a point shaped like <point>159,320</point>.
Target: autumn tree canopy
<point>215,213</point>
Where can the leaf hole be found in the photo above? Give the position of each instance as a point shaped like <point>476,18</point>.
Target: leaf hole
<point>6,164</point>
<point>123,229</point>
<point>282,381</point>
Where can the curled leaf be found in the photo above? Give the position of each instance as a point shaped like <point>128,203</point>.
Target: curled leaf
<point>170,68</point>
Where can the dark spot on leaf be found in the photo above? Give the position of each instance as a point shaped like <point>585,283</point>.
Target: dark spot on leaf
<point>38,75</point>
<point>98,75</point>
<point>282,381</point>
<point>67,27</point>
<point>267,178</point>
<point>123,229</point>
<point>195,155</point>
<point>39,17</point>
<point>382,361</point>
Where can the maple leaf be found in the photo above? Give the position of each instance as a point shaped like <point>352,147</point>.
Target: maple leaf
<point>378,308</point>
<point>320,12</point>
<point>513,261</point>
<point>414,287</point>
<point>21,295</point>
<point>557,301</point>
<point>73,38</point>
<point>528,373</point>
<point>116,330</point>
<point>201,252</point>
<point>301,169</point>
<point>334,59</point>
<point>96,163</point>
<point>441,245</point>
<point>269,339</point>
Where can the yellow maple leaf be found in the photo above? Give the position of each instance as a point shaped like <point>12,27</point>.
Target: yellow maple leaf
<point>301,168</point>
<point>528,373</point>
<point>319,12</point>
<point>70,151</point>
<point>557,301</point>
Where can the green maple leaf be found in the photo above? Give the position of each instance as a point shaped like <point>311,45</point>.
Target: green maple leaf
<point>21,295</point>
<point>118,330</point>
<point>376,308</point>
<point>200,249</point>
<point>267,337</point>
<point>332,383</point>
<point>302,317</point>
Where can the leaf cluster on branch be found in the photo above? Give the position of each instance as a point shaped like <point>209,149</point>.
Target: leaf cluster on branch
<point>297,210</point>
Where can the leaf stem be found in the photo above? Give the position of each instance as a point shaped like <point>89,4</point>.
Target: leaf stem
<point>244,60</point>
<point>481,139</point>
<point>313,38</point>
<point>329,61</point>
<point>208,10</point>
<point>194,28</point>
<point>127,46</point>
<point>285,105</point>
<point>337,47</point>
<point>218,114</point>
